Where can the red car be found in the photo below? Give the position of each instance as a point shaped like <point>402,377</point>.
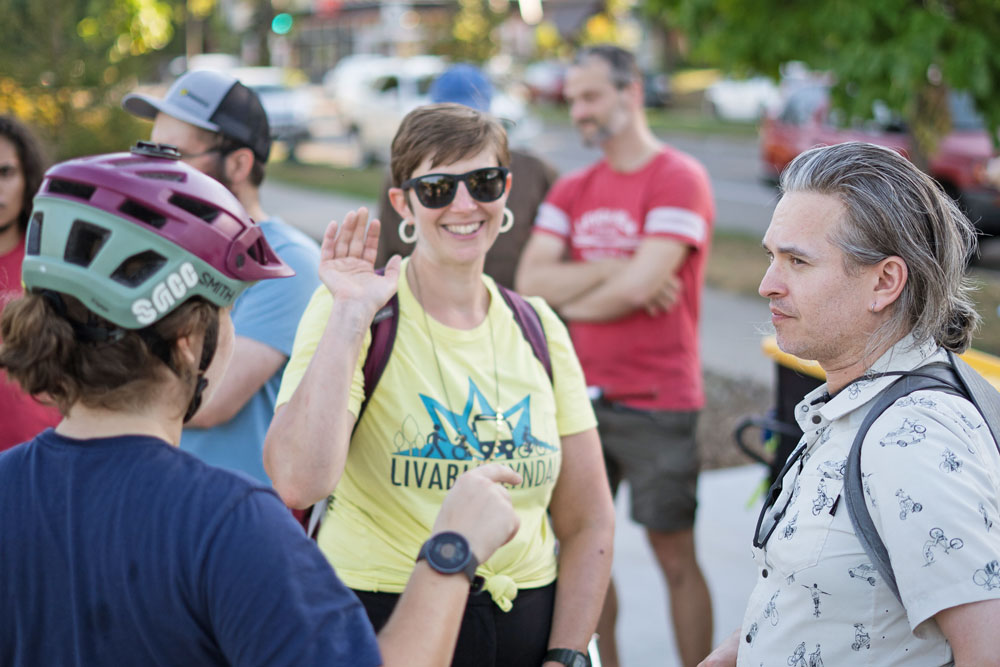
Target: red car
<point>959,163</point>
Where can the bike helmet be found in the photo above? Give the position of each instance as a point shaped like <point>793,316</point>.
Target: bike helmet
<point>134,235</point>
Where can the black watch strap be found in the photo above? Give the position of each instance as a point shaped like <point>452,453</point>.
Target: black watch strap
<point>567,656</point>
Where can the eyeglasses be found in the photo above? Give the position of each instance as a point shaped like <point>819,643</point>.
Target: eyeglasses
<point>191,156</point>
<point>771,514</point>
<point>438,190</point>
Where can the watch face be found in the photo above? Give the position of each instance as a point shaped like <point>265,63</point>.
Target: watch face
<point>579,661</point>
<point>448,552</point>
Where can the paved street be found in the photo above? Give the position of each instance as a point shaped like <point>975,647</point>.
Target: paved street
<point>730,337</point>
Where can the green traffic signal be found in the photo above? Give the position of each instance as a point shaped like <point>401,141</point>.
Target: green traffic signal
<point>282,23</point>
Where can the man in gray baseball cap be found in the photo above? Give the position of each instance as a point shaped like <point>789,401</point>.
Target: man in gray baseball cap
<point>221,129</point>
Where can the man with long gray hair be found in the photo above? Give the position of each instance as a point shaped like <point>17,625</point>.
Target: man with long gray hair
<point>867,277</point>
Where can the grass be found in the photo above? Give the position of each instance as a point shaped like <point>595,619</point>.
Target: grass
<point>365,183</point>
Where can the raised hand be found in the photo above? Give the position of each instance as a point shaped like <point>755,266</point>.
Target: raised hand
<point>347,262</point>
<point>480,508</point>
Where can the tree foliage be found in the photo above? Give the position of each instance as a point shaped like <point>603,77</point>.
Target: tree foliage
<point>902,52</point>
<point>66,63</point>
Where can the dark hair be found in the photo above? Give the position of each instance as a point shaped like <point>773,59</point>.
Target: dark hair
<point>893,208</point>
<point>29,153</point>
<point>227,145</point>
<point>444,133</point>
<point>41,352</point>
<point>624,69</point>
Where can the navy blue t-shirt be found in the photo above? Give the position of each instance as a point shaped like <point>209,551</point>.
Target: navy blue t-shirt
<point>127,551</point>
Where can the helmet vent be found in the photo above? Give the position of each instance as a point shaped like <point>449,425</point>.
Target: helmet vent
<point>137,269</point>
<point>163,175</point>
<point>85,240</point>
<point>140,212</point>
<point>71,189</point>
<point>34,243</point>
<point>195,207</point>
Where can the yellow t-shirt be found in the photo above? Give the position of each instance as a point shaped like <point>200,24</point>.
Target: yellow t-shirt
<point>415,439</point>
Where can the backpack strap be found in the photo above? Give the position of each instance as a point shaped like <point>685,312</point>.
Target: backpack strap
<point>531,326</point>
<point>937,376</point>
<point>980,392</point>
<point>384,326</point>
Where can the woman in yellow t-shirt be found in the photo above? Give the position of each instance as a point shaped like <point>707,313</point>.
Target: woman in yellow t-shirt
<point>462,387</point>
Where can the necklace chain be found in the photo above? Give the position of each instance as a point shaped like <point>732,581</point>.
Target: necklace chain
<point>498,416</point>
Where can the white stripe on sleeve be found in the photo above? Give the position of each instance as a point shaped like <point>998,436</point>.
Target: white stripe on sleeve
<point>552,219</point>
<point>680,221</point>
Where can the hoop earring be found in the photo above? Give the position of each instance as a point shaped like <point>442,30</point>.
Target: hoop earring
<point>508,220</point>
<point>403,236</point>
<point>872,308</point>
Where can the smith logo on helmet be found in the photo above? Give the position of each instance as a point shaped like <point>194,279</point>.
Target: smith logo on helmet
<point>165,294</point>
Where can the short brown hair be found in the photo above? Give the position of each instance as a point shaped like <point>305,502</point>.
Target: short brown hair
<point>444,133</point>
<point>41,352</point>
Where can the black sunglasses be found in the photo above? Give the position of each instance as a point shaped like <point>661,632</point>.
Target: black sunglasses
<point>770,514</point>
<point>438,190</point>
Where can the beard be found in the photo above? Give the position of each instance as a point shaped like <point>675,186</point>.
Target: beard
<point>604,130</point>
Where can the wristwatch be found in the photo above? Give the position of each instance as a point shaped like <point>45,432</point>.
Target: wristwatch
<point>449,553</point>
<point>567,656</point>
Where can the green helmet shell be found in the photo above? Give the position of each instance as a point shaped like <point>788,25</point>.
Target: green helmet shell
<point>104,284</point>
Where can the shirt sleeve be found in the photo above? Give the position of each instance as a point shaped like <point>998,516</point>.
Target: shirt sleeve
<point>553,215</point>
<point>932,494</point>
<point>310,331</point>
<point>681,207</point>
<point>273,598</point>
<point>574,412</point>
<point>269,311</point>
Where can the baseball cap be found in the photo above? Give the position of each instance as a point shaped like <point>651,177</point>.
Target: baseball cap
<point>213,101</point>
<point>463,84</point>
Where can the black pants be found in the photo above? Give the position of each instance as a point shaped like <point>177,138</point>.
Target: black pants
<point>489,637</point>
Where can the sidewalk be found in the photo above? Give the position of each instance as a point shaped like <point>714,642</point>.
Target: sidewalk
<point>730,338</point>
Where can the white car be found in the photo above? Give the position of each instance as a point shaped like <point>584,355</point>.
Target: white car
<point>742,100</point>
<point>373,94</point>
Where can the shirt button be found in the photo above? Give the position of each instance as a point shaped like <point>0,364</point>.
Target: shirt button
<point>817,419</point>
<point>763,573</point>
<point>749,638</point>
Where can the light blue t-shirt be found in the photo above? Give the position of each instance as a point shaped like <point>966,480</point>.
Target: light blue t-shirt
<point>267,312</point>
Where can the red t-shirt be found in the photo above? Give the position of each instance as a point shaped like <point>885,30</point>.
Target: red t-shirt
<point>21,417</point>
<point>642,361</point>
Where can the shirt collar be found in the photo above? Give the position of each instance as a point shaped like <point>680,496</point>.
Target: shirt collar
<point>905,355</point>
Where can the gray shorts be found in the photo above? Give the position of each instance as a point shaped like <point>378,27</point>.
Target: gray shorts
<point>657,453</point>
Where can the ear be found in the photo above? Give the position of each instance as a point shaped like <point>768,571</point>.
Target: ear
<point>890,278</point>
<point>635,95</point>
<point>238,165</point>
<point>397,197</point>
<point>186,348</point>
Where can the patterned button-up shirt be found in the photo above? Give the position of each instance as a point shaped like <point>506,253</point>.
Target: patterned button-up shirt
<point>930,475</point>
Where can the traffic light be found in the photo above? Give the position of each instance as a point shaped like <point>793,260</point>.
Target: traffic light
<point>281,24</point>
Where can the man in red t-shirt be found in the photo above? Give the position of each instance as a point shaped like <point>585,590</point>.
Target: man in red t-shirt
<point>619,251</point>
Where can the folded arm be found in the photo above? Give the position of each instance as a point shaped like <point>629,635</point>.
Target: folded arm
<point>544,272</point>
<point>648,280</point>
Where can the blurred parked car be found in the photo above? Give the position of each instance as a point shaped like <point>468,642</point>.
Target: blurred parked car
<point>374,94</point>
<point>959,163</point>
<point>287,101</point>
<point>544,81</point>
<point>656,89</point>
<point>741,100</point>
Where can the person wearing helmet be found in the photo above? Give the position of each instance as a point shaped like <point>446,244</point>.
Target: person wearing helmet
<point>467,85</point>
<point>122,549</point>
<point>221,129</point>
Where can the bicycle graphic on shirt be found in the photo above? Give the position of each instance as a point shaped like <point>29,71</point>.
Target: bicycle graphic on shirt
<point>485,436</point>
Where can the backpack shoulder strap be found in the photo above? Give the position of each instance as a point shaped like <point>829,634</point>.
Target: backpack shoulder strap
<point>937,376</point>
<point>383,329</point>
<point>531,326</point>
<point>983,395</point>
